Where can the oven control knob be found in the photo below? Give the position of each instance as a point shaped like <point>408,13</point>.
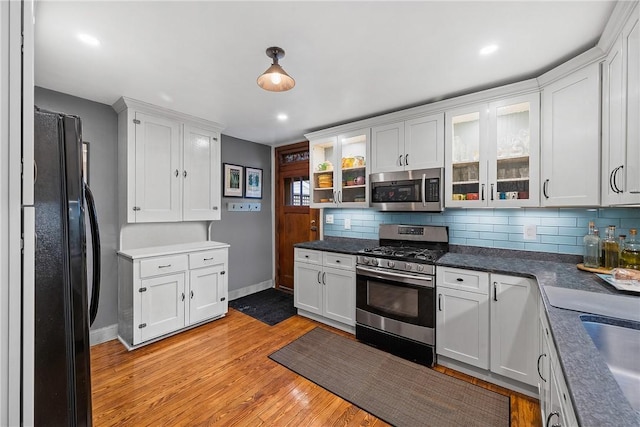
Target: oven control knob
<point>420,267</point>
<point>374,261</point>
<point>391,264</point>
<point>408,266</point>
<point>364,260</point>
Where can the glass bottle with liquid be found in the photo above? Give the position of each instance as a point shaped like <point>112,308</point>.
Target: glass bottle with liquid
<point>630,255</point>
<point>591,244</point>
<point>610,248</point>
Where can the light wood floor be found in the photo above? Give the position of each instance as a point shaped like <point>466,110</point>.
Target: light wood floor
<point>219,374</point>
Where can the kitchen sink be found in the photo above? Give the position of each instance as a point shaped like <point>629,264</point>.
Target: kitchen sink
<point>620,347</point>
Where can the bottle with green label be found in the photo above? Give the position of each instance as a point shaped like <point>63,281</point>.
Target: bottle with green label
<point>630,255</point>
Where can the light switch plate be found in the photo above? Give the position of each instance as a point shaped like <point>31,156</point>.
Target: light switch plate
<point>530,232</point>
<point>347,223</point>
<point>328,218</point>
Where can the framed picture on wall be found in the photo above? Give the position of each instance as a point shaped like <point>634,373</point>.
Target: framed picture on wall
<point>232,180</point>
<point>253,183</point>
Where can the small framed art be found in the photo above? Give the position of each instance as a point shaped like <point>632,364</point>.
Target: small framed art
<point>253,183</point>
<point>232,180</point>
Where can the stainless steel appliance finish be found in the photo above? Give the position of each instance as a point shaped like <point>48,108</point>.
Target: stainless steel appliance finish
<point>395,290</point>
<point>414,190</point>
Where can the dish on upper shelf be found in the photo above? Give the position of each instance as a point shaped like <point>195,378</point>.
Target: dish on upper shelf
<point>621,285</point>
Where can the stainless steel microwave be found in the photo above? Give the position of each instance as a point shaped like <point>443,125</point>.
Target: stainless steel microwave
<point>415,190</point>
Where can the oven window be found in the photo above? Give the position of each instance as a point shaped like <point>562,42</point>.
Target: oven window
<point>398,300</point>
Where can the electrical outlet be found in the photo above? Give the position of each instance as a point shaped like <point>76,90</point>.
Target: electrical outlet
<point>530,232</point>
<point>328,218</point>
<point>347,223</point>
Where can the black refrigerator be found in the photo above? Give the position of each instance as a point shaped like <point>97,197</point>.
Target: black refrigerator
<point>64,306</point>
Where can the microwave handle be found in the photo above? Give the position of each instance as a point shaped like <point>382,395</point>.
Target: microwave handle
<point>424,190</point>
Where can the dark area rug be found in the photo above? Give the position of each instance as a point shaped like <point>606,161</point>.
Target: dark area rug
<point>270,306</point>
<point>395,390</point>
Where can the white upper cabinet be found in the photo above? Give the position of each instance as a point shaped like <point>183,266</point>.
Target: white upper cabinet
<point>620,112</point>
<point>571,139</point>
<point>408,145</point>
<point>339,170</point>
<point>201,175</point>
<point>168,165</point>
<point>491,153</point>
<point>157,167</point>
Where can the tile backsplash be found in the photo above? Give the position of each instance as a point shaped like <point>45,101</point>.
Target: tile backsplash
<point>557,230</point>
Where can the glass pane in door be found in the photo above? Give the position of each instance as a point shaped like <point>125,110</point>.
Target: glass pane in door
<point>513,156</point>
<point>296,191</point>
<point>466,155</point>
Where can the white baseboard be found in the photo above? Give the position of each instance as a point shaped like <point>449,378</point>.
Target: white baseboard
<point>248,290</point>
<point>105,334</point>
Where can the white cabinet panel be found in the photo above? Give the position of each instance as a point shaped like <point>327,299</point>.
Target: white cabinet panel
<point>201,175</point>
<point>387,148</point>
<point>462,322</point>
<point>424,142</point>
<point>162,305</point>
<point>514,329</point>
<point>208,293</point>
<point>308,287</point>
<point>339,295</point>
<point>157,182</point>
<point>571,140</point>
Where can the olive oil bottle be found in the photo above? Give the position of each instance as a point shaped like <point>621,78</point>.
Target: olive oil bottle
<point>610,248</point>
<point>630,255</point>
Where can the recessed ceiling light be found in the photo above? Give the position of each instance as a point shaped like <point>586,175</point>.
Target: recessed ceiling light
<point>282,117</point>
<point>88,39</point>
<point>488,49</point>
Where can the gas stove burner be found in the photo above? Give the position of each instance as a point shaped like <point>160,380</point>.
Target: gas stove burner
<point>406,253</point>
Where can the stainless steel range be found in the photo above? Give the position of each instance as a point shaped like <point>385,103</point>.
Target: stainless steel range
<point>395,290</point>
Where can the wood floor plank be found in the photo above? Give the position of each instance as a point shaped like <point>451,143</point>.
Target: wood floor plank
<point>220,374</point>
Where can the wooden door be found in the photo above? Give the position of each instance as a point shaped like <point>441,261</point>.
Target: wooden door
<point>295,221</point>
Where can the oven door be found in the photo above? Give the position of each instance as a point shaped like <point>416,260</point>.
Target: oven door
<point>396,302</point>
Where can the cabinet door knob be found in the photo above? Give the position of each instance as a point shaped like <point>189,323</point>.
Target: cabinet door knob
<point>191,296</point>
<point>184,174</point>
<point>142,290</point>
<point>223,272</point>
<point>177,173</point>
<point>223,299</point>
<point>142,325</point>
<point>183,296</point>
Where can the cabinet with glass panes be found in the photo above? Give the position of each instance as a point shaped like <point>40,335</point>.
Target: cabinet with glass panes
<point>492,154</point>
<point>339,170</point>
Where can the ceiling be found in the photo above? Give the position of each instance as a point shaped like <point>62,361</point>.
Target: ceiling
<point>350,59</point>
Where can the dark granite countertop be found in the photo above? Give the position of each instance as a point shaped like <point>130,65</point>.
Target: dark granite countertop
<point>596,396</point>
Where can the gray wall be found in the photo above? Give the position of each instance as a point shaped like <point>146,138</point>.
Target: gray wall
<point>248,233</point>
<point>99,128</point>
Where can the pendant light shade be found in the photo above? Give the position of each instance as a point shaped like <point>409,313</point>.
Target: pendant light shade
<point>275,79</point>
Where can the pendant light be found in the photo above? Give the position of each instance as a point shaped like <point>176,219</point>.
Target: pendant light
<point>275,79</point>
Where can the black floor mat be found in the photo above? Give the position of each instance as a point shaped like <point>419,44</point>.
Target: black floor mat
<point>270,306</point>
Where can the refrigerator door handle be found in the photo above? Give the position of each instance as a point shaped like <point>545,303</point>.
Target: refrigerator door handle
<point>95,246</point>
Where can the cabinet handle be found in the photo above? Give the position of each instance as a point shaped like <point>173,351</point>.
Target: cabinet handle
<point>164,266</point>
<point>460,279</point>
<point>324,276</point>
<point>539,373</point>
<point>544,188</point>
<point>191,295</point>
<point>177,173</point>
<point>439,302</point>
<point>482,191</point>
<point>337,261</point>
<point>615,181</point>
<point>495,291</point>
<point>215,208</point>
<point>207,259</point>
<point>557,414</point>
<point>335,199</point>
<point>142,290</point>
<point>319,273</point>
<point>223,298</point>
<point>611,179</point>
<point>492,192</point>
<point>222,273</point>
<point>142,325</point>
<point>183,296</point>
<point>400,160</point>
<point>340,196</point>
<point>136,208</point>
<point>406,159</point>
<point>184,174</point>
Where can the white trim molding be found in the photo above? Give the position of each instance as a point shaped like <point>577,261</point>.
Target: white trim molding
<point>251,289</point>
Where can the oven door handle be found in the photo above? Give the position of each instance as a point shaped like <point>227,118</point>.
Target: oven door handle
<point>422,281</point>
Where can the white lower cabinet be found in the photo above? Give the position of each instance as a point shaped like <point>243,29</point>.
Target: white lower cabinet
<point>163,290</point>
<point>555,403</point>
<point>325,285</point>
<point>462,316</point>
<point>488,321</point>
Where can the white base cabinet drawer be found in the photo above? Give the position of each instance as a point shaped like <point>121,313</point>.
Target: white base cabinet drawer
<point>162,265</point>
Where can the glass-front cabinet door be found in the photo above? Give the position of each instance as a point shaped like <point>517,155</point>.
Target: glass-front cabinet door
<point>492,153</point>
<point>339,167</point>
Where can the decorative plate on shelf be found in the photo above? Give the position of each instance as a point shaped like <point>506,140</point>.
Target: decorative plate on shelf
<point>621,285</point>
